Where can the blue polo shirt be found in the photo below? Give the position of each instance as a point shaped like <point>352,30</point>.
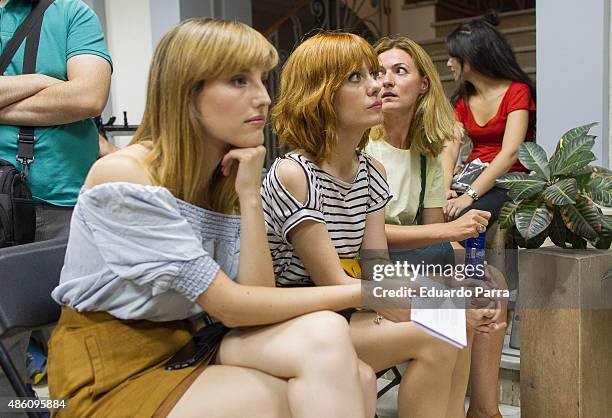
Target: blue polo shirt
<point>63,154</point>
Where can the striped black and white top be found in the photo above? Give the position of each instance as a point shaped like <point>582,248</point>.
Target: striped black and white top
<point>341,206</point>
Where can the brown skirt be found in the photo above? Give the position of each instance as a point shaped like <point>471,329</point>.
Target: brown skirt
<point>106,367</point>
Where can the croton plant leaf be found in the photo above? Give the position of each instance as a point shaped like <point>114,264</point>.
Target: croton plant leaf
<point>573,163</point>
<point>562,192</point>
<point>583,176</point>
<point>582,219</point>
<point>557,229</point>
<point>601,242</point>
<point>579,144</point>
<point>537,241</point>
<point>599,188</point>
<point>521,185</point>
<point>576,241</point>
<point>573,134</point>
<point>507,214</point>
<point>532,218</point>
<point>606,226</point>
<point>533,157</point>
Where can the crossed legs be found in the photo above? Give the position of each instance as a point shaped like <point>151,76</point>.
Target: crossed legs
<point>305,367</point>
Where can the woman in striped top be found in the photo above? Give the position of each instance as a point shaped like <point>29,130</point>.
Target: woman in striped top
<point>325,201</point>
<point>341,205</point>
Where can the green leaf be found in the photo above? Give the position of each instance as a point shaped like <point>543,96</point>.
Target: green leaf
<point>582,219</point>
<point>606,226</point>
<point>562,192</point>
<point>573,163</point>
<point>516,235</point>
<point>577,242</point>
<point>532,219</point>
<point>583,176</point>
<point>573,134</point>
<point>533,157</point>
<point>537,241</point>
<point>507,214</point>
<point>592,169</point>
<point>526,189</point>
<point>599,188</point>
<point>521,185</point>
<point>571,147</point>
<point>508,180</point>
<point>557,229</point>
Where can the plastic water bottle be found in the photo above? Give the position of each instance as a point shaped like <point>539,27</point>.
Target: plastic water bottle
<point>475,255</point>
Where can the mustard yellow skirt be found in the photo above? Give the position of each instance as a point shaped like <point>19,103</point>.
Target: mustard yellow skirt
<point>106,367</point>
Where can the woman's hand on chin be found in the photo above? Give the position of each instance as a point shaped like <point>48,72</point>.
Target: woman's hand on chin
<point>250,164</point>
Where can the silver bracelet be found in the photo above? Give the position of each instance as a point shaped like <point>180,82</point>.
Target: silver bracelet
<point>472,193</point>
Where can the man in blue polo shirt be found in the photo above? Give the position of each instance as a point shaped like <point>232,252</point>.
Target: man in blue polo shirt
<point>71,84</point>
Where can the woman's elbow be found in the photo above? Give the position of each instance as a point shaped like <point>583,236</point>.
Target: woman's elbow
<point>229,314</point>
<point>225,316</point>
<point>231,321</point>
<point>509,156</point>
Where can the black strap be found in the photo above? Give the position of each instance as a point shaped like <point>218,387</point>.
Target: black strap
<point>22,31</point>
<point>31,28</point>
<point>419,216</point>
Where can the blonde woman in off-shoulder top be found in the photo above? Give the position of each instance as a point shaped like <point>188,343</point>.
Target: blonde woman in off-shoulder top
<point>171,227</point>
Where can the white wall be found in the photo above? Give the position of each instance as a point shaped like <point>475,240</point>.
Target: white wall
<point>133,30</point>
<point>609,48</point>
<point>128,26</point>
<point>164,15</point>
<point>572,70</point>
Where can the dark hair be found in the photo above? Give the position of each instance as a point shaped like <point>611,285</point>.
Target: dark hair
<point>480,44</point>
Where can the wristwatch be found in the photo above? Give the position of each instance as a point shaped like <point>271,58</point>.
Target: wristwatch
<point>472,193</point>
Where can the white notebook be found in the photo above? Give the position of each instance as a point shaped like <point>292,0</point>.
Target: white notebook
<point>446,322</point>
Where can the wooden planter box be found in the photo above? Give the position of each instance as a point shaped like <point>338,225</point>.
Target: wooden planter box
<point>566,333</point>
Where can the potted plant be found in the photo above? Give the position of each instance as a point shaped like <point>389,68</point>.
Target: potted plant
<point>565,303</point>
<point>558,198</point>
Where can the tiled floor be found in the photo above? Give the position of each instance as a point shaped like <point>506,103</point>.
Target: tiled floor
<point>387,405</point>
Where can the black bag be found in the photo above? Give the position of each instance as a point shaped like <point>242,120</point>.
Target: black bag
<point>17,212</point>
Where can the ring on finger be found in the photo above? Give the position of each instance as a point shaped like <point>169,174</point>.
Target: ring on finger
<point>481,228</point>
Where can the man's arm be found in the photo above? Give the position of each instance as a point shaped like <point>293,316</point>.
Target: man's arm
<point>83,96</point>
<point>14,88</point>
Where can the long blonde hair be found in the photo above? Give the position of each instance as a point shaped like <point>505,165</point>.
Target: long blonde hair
<point>304,115</point>
<point>433,121</point>
<point>194,51</point>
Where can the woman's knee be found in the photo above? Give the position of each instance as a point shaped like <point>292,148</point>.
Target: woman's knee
<point>367,377</point>
<point>324,333</point>
<point>324,328</point>
<point>437,353</point>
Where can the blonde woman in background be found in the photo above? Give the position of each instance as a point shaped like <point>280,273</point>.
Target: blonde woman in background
<point>156,240</point>
<point>418,120</point>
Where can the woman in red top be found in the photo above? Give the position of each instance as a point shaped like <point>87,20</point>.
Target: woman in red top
<point>495,102</point>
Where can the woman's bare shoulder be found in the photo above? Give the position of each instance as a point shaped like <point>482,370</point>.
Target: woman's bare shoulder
<point>126,165</point>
